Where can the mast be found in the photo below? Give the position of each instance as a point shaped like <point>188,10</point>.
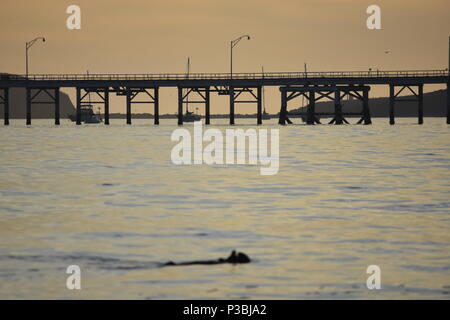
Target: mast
<point>89,93</point>
<point>263,93</point>
<point>303,96</point>
<point>187,90</point>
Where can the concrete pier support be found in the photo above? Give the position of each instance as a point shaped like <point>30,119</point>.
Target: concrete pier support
<point>338,118</point>
<point>28,103</point>
<point>57,106</point>
<point>366,109</point>
<point>391,105</point>
<point>231,106</point>
<point>180,106</point>
<point>156,105</point>
<point>311,109</point>
<point>207,106</point>
<point>259,105</point>
<point>106,101</point>
<point>6,106</point>
<point>420,109</point>
<point>78,106</point>
<point>128,105</point>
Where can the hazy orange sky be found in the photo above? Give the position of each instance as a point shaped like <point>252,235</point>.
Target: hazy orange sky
<point>157,36</point>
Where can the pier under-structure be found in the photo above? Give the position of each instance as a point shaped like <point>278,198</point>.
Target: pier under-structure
<point>334,93</point>
<point>35,95</point>
<point>237,95</point>
<point>132,95</point>
<point>236,92</point>
<point>417,96</point>
<point>203,94</point>
<point>333,85</point>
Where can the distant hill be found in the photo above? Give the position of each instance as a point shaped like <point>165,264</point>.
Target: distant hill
<point>17,105</point>
<point>434,105</point>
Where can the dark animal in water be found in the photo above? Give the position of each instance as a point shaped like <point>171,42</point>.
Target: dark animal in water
<point>234,258</point>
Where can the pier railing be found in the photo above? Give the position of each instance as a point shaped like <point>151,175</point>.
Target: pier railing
<point>241,76</point>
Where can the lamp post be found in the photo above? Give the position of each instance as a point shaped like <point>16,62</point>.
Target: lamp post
<point>232,45</point>
<point>28,46</point>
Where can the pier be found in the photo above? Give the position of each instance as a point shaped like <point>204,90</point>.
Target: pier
<point>241,88</point>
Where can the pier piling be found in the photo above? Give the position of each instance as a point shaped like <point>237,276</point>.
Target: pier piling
<point>128,94</point>
<point>56,98</point>
<point>28,103</point>
<point>366,109</point>
<point>391,105</point>
<point>283,111</point>
<point>180,106</point>
<point>78,106</point>
<point>231,106</point>
<point>420,107</point>
<point>338,118</point>
<point>259,107</point>
<point>311,109</point>
<point>106,101</point>
<point>156,105</point>
<point>207,106</point>
<point>448,102</point>
<point>5,101</point>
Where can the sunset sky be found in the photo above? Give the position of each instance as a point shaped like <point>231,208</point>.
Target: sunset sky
<point>157,36</point>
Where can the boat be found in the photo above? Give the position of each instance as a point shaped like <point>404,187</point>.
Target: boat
<point>87,115</point>
<point>189,116</point>
<point>265,115</point>
<point>305,117</point>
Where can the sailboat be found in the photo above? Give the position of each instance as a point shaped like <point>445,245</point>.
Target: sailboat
<point>87,114</point>
<point>265,115</point>
<point>189,116</point>
<point>304,117</point>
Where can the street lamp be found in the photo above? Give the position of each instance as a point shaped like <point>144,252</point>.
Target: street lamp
<point>232,45</point>
<point>28,46</point>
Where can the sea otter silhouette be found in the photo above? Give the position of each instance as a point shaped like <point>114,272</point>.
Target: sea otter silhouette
<point>234,258</point>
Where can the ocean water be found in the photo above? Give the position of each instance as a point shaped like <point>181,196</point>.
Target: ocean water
<point>109,200</point>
